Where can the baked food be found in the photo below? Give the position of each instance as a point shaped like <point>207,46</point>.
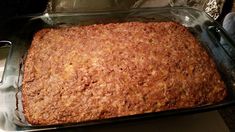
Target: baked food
<point>76,74</point>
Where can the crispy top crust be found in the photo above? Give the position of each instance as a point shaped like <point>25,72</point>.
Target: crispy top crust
<point>100,71</point>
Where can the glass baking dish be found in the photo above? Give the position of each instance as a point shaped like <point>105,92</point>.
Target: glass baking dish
<point>17,33</point>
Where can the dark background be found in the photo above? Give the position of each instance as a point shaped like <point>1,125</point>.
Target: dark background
<point>21,7</point>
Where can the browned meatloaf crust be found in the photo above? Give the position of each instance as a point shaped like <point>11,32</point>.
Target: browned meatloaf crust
<point>76,74</point>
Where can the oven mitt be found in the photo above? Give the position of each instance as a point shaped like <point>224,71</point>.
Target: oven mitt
<point>229,24</point>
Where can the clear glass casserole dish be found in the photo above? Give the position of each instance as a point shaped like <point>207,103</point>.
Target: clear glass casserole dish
<point>19,32</point>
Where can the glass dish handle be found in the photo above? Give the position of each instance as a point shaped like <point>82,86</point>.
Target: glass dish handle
<point>223,40</point>
<point>5,43</point>
<point>4,53</point>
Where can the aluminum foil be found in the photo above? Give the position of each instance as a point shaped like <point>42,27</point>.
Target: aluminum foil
<point>212,7</point>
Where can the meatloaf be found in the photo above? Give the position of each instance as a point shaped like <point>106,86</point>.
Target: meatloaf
<point>82,73</point>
